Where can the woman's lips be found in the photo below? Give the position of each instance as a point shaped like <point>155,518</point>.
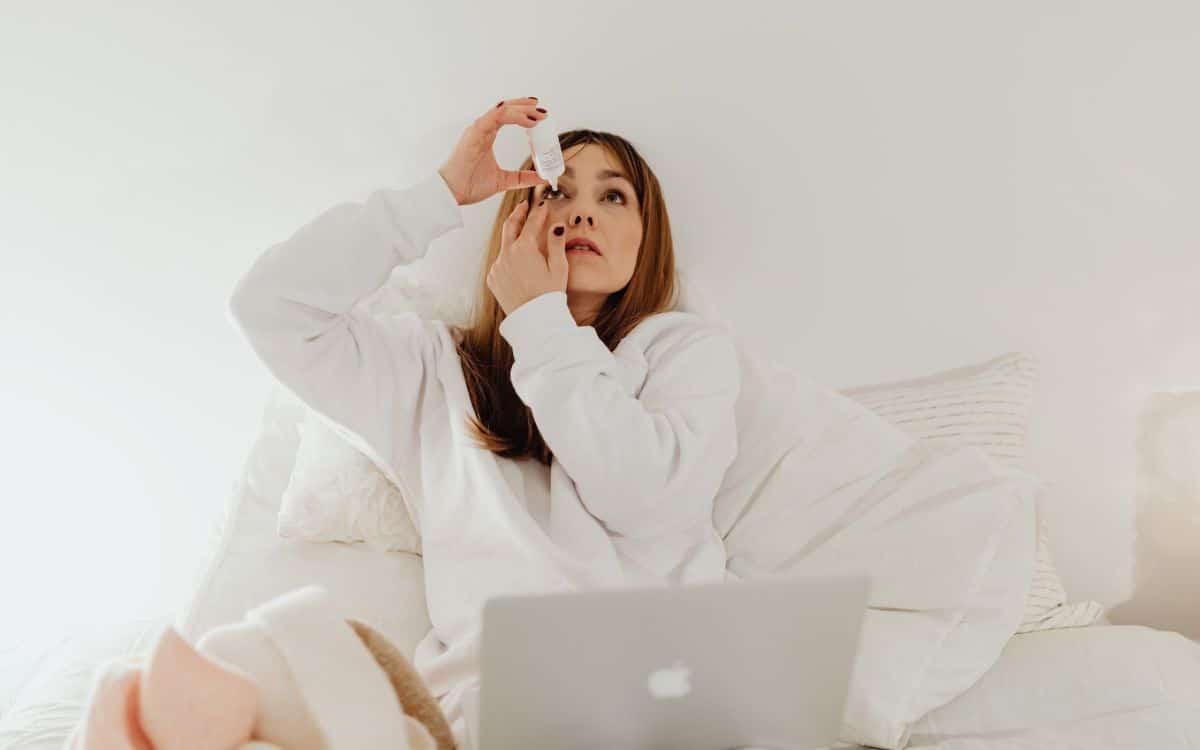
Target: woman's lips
<point>580,240</point>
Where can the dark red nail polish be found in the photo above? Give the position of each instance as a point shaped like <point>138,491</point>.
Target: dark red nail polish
<point>539,109</point>
<point>534,98</point>
<point>558,231</point>
<point>531,117</point>
<point>499,103</point>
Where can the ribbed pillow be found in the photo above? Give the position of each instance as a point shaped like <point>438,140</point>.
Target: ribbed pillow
<point>985,405</point>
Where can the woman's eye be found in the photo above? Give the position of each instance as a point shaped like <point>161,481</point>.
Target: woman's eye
<point>552,193</point>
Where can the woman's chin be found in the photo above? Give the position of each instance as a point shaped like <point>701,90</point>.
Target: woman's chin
<point>580,283</point>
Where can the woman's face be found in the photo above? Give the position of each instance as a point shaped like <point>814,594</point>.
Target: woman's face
<point>600,207</point>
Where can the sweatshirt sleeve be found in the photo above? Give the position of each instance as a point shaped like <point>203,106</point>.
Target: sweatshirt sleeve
<point>296,308</point>
<point>643,465</point>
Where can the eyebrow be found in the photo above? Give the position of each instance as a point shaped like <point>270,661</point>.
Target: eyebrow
<point>604,174</point>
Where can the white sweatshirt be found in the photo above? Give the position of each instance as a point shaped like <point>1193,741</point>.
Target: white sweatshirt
<point>641,436</point>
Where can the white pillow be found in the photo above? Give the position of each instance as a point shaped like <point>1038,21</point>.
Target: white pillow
<point>822,485</point>
<point>987,405</point>
<point>336,494</point>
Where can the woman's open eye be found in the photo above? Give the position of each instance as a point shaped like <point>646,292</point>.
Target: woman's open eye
<point>552,193</point>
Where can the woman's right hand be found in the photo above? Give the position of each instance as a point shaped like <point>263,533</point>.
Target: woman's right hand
<point>471,172</point>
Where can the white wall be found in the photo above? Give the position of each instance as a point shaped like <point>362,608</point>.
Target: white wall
<point>880,189</point>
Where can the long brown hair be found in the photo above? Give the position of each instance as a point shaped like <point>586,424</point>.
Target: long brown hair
<point>502,422</point>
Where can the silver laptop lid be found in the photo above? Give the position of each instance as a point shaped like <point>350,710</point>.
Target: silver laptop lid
<point>706,666</point>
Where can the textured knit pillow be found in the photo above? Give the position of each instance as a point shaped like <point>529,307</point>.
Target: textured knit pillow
<point>336,494</point>
<point>985,405</point>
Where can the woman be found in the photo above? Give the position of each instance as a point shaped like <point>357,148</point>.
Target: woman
<point>573,435</point>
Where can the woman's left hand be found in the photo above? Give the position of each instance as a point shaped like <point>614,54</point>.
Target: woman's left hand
<point>532,259</point>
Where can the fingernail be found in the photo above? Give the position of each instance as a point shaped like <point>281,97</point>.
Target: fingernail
<point>539,109</point>
<point>499,103</point>
<point>534,98</point>
<point>558,231</point>
<point>531,117</point>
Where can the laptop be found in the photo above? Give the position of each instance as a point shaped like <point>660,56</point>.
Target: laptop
<point>715,666</point>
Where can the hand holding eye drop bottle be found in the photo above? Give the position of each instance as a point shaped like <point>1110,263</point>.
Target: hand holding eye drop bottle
<point>472,172</point>
<point>547,154</point>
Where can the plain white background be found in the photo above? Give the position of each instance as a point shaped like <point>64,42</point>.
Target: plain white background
<point>873,190</point>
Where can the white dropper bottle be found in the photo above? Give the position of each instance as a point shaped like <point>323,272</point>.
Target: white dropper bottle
<point>547,154</point>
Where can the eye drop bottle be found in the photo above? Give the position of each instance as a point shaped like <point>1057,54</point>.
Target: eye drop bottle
<point>547,154</point>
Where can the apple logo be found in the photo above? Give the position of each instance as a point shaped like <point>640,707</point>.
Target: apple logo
<point>671,682</point>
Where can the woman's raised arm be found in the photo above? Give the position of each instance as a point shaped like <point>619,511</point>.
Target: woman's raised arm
<point>296,308</point>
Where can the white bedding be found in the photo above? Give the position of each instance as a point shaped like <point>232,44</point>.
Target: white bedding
<point>56,676</point>
<point>1100,686</point>
<point>1097,687</point>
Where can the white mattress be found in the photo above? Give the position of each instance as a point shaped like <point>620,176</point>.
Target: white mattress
<point>1103,686</point>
